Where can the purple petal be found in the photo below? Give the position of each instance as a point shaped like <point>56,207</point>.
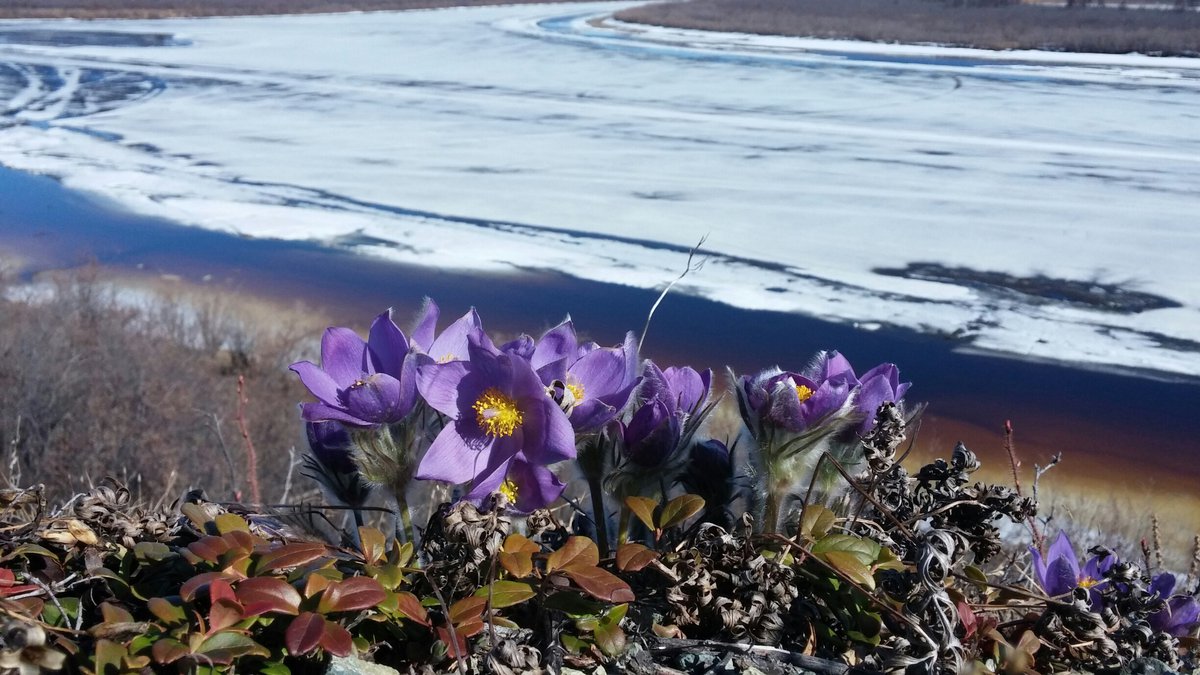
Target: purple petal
<point>330,444</point>
<point>342,353</point>
<point>489,480</point>
<point>559,441</point>
<point>451,345</point>
<point>423,334</point>
<point>387,345</point>
<point>1039,566</point>
<point>688,387</point>
<point>439,385</point>
<point>537,486</point>
<point>1061,577</point>
<point>829,365</point>
<point>321,412</point>
<point>317,381</point>
<point>558,343</point>
<point>1163,584</point>
<point>521,347</point>
<point>1184,612</point>
<point>600,373</point>
<point>454,457</point>
<point>1062,548</point>
<point>376,399</point>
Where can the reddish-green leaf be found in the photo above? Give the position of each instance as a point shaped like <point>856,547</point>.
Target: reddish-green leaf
<point>467,609</point>
<point>289,555</point>
<point>506,593</point>
<point>314,584</point>
<point>166,611</point>
<point>679,510</point>
<point>643,508</point>
<point>222,614</point>
<point>411,607</point>
<point>579,551</point>
<point>168,650</point>
<point>220,589</point>
<point>816,521</point>
<point>519,543</point>
<point>634,557</point>
<point>352,594</point>
<point>374,544</point>
<point>517,555</point>
<point>260,595</point>
<point>240,540</point>
<point>336,640</point>
<point>208,549</point>
<point>600,584</point>
<point>109,655</point>
<point>114,614</point>
<point>304,633</point>
<point>189,588</point>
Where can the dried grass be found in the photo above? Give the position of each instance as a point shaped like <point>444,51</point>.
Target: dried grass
<point>991,25</point>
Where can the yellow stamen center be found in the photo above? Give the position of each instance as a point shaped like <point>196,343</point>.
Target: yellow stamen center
<point>576,391</point>
<point>1088,582</point>
<point>509,489</point>
<point>446,358</point>
<point>497,414</point>
<point>803,393</point>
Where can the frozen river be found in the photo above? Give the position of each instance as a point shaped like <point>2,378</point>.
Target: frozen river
<point>1036,205</point>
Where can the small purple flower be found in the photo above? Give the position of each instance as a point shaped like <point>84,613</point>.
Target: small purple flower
<point>330,463</point>
<point>591,384</point>
<point>1058,573</point>
<point>671,407</point>
<point>504,427</point>
<point>878,385</point>
<point>329,442</point>
<point>362,384</point>
<point>1180,613</point>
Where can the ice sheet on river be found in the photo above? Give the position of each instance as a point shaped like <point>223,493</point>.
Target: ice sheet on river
<point>1040,209</point>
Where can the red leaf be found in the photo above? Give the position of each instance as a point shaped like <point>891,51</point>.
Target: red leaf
<point>600,584</point>
<point>268,594</point>
<point>352,594</point>
<point>456,649</point>
<point>220,589</point>
<point>634,557</point>
<point>411,607</point>
<point>168,650</point>
<point>336,640</point>
<point>289,555</point>
<point>577,551</point>
<point>304,633</point>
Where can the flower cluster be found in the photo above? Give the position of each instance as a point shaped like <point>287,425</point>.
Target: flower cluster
<point>797,416</point>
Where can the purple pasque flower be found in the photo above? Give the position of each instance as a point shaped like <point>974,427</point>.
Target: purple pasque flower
<point>877,386</point>
<point>330,463</point>
<point>796,402</point>
<point>1179,614</point>
<point>591,384</point>
<point>362,384</point>
<point>672,407</point>
<point>503,427</point>
<point>329,443</point>
<point>1058,572</point>
<point>451,343</point>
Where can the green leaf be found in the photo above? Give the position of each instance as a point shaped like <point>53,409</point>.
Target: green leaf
<point>577,551</point>
<point>887,560</point>
<point>231,522</point>
<point>351,594</point>
<point>865,550</point>
<point>573,604</point>
<point>274,668</point>
<point>816,521</point>
<point>850,565</point>
<point>506,593</point>
<point>610,638</point>
<point>152,550</point>
<point>573,644</point>
<point>678,510</point>
<point>643,508</point>
<point>227,646</point>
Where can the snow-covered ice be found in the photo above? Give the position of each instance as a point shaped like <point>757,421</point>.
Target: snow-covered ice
<point>552,137</point>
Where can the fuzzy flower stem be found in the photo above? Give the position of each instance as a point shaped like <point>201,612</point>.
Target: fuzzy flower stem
<point>591,463</point>
<point>623,525</point>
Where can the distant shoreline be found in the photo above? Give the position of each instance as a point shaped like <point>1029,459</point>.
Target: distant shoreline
<point>180,9</point>
<point>1109,29</point>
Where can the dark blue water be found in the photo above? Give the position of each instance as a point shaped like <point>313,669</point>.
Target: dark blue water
<point>1105,422</point>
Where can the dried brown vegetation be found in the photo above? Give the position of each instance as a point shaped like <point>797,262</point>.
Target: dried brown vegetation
<point>92,385</point>
<point>161,9</point>
<point>989,25</point>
